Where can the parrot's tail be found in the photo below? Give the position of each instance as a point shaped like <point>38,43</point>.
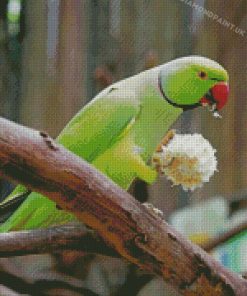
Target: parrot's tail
<point>36,212</point>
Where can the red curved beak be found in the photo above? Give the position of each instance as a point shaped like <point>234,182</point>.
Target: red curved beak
<point>217,96</point>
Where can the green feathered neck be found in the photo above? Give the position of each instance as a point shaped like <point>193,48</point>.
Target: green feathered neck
<point>155,119</point>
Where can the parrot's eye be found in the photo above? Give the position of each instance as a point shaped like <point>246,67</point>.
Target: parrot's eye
<point>202,75</point>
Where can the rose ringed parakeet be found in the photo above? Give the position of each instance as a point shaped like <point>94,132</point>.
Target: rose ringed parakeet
<point>119,130</point>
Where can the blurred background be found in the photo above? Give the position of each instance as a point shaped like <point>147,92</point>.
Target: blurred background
<point>55,55</point>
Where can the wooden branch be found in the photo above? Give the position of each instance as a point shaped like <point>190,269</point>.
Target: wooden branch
<point>65,237</point>
<point>134,231</point>
<point>77,237</point>
<point>213,243</point>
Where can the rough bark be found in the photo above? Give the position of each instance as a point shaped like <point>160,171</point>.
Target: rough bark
<point>136,233</point>
<point>77,237</point>
<point>52,240</point>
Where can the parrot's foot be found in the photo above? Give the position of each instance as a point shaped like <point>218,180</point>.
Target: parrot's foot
<point>157,162</point>
<point>167,138</point>
<point>153,209</point>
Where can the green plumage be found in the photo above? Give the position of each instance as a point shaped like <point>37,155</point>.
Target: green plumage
<point>117,133</point>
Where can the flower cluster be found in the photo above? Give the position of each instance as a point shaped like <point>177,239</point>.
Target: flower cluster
<point>187,160</point>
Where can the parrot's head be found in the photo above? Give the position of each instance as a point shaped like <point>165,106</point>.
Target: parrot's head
<point>194,81</point>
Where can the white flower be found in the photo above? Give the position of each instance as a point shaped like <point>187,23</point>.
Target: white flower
<point>188,160</point>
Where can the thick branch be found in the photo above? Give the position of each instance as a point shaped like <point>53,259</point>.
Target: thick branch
<point>40,241</point>
<point>33,159</point>
<point>77,237</point>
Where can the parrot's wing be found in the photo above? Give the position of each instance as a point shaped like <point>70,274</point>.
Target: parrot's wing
<point>94,129</point>
<point>100,124</point>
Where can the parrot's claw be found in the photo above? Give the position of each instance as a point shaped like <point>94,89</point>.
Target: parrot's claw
<point>167,138</point>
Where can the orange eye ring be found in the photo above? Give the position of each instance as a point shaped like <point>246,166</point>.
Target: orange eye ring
<point>203,75</point>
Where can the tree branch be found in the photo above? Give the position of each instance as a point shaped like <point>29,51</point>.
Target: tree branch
<point>65,237</point>
<point>136,233</point>
<point>215,242</point>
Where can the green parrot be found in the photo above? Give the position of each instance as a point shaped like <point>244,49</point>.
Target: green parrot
<point>119,130</point>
